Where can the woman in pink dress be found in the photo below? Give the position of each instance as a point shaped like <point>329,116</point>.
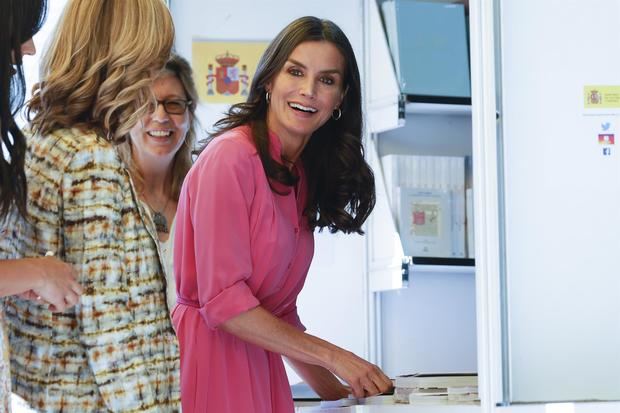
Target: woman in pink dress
<point>287,161</point>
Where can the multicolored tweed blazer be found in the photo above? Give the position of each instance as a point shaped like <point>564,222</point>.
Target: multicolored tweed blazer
<point>116,350</point>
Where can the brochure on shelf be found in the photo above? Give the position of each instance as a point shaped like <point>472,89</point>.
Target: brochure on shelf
<point>425,222</point>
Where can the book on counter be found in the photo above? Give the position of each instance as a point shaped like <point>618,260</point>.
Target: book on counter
<point>430,380</point>
<point>437,388</point>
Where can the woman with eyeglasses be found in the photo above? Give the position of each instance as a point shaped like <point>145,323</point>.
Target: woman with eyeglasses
<point>159,153</point>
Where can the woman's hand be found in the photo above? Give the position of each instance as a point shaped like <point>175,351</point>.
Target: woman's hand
<point>365,378</point>
<point>55,283</point>
<point>321,380</point>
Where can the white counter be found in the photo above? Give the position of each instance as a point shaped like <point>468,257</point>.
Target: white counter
<point>395,408</point>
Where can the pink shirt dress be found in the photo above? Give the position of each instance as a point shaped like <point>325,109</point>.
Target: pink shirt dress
<point>238,245</point>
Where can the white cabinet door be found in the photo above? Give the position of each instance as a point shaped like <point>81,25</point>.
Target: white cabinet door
<point>546,267</point>
<point>385,252</point>
<point>382,89</point>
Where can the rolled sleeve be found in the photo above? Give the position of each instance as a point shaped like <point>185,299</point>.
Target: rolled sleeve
<point>232,301</point>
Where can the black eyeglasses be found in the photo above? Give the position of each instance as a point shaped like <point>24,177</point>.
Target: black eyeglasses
<point>172,107</point>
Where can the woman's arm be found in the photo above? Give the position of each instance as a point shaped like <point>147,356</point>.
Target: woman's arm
<point>321,380</point>
<point>48,278</point>
<point>260,327</point>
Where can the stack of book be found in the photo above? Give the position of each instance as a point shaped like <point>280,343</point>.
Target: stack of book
<point>443,388</point>
<point>430,204</point>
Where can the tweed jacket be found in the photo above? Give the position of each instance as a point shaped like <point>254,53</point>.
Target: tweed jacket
<point>116,350</point>
<point>8,251</point>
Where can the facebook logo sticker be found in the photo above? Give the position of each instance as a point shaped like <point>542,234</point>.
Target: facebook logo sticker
<point>606,151</point>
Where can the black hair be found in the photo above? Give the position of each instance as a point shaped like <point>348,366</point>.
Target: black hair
<point>19,20</point>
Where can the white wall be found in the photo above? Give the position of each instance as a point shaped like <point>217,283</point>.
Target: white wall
<point>31,63</point>
<point>333,302</point>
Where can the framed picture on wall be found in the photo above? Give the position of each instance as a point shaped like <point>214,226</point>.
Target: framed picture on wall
<point>223,70</point>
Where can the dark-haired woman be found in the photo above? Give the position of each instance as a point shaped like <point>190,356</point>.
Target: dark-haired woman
<point>287,161</point>
<point>46,279</point>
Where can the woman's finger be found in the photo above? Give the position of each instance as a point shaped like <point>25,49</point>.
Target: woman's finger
<point>370,389</point>
<point>71,298</point>
<point>358,389</point>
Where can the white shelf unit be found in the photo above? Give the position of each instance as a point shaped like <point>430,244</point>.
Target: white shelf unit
<point>430,325</point>
<point>428,130</point>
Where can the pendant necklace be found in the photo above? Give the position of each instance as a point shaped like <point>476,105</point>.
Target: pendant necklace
<point>159,219</point>
<point>161,223</point>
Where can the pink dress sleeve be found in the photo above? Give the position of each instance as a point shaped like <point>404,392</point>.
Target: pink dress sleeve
<point>220,194</point>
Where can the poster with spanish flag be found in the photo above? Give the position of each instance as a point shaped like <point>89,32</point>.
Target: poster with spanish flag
<point>224,70</point>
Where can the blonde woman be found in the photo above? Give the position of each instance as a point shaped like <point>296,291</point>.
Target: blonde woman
<point>159,153</point>
<point>116,350</point>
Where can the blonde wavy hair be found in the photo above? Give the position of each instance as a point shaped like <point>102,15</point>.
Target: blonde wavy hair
<point>98,70</point>
<point>180,68</point>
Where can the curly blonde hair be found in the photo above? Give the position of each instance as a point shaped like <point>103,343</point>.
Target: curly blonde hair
<point>97,72</point>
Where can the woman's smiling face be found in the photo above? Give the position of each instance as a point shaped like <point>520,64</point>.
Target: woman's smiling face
<point>306,91</point>
<point>160,134</point>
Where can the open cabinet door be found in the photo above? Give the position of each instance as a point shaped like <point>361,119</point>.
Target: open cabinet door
<point>387,267</point>
<point>381,86</point>
<point>547,202</point>
<point>385,252</point>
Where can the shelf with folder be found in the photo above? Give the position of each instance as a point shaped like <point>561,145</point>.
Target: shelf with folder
<point>435,120</point>
<point>392,263</point>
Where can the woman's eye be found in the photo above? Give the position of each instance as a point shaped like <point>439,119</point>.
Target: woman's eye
<point>174,105</point>
<point>327,80</point>
<point>295,72</point>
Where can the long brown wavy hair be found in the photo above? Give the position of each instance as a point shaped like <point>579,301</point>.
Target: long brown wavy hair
<point>19,20</point>
<point>341,189</point>
<point>178,67</point>
<point>97,72</point>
